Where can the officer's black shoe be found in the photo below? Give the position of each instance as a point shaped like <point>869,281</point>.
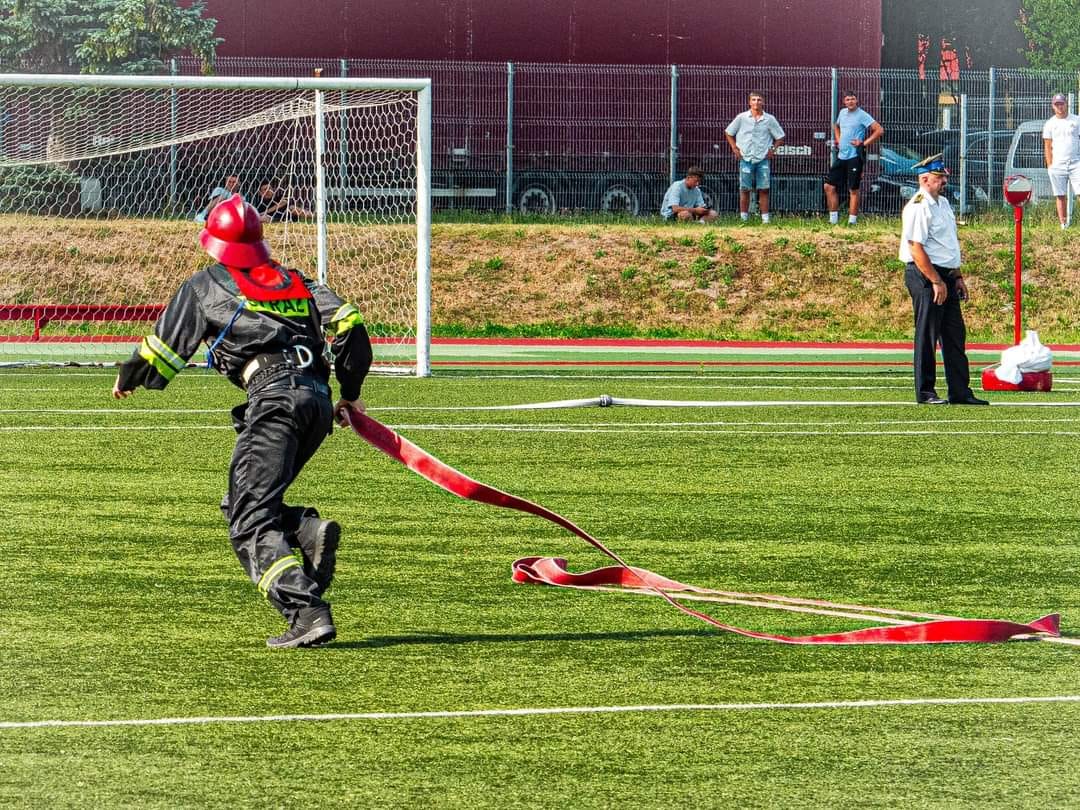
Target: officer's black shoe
<point>318,541</point>
<point>313,627</point>
<point>968,400</point>
<point>934,400</point>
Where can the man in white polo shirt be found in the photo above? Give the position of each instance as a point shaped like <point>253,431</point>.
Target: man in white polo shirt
<point>931,250</point>
<point>1061,148</point>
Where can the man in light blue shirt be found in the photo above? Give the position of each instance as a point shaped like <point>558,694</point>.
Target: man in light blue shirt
<point>854,130</point>
<point>685,202</point>
<point>752,136</point>
<point>218,194</point>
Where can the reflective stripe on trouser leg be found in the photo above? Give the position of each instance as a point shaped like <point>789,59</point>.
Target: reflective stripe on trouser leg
<point>266,581</point>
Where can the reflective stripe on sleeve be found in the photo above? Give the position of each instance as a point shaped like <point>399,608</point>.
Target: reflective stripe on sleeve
<point>164,360</point>
<point>345,319</point>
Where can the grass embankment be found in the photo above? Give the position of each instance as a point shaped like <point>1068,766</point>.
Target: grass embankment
<point>796,279</point>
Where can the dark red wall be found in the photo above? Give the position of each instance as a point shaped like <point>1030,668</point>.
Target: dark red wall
<point>842,33</point>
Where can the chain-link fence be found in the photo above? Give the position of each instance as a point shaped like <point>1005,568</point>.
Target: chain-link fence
<point>548,138</point>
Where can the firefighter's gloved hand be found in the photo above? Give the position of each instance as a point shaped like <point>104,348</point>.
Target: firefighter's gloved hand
<point>340,415</point>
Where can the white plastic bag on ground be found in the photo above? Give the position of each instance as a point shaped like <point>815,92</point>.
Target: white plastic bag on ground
<point>1028,355</point>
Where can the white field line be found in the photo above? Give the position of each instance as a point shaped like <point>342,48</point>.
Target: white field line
<point>733,403</point>
<point>111,411</point>
<point>549,710</point>
<point>106,428</point>
<point>691,376</point>
<point>849,423</point>
<point>655,403</point>
<point>680,430</point>
<point>602,429</point>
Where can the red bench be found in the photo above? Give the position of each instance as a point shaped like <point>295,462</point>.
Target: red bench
<point>43,314</point>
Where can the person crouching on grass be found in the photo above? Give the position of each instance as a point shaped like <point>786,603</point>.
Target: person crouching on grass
<point>684,201</point>
<point>265,327</point>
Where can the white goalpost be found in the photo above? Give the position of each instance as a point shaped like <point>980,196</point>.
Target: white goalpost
<point>104,181</point>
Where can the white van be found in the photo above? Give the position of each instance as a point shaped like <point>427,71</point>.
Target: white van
<point>1026,157</point>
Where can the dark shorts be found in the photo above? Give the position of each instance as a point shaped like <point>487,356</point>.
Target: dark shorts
<point>846,173</point>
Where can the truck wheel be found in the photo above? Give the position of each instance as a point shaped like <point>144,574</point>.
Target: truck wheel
<point>620,197</point>
<point>535,198</point>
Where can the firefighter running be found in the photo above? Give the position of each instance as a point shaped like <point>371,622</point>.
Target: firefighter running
<point>264,325</point>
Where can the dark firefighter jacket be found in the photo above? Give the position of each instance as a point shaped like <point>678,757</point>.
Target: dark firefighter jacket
<point>244,313</point>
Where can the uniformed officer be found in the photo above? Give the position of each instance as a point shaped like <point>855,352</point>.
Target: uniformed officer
<point>267,328</point>
<point>930,248</point>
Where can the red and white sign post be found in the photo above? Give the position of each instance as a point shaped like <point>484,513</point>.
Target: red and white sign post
<point>1017,190</point>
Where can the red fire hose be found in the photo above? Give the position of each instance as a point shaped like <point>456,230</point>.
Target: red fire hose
<point>551,571</point>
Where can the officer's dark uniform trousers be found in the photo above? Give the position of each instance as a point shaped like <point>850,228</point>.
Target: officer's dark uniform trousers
<point>287,416</point>
<point>938,323</point>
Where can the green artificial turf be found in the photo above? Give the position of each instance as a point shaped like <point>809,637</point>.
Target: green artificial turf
<point>122,599</point>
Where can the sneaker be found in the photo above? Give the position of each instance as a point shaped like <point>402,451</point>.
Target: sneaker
<point>313,627</point>
<point>318,541</point>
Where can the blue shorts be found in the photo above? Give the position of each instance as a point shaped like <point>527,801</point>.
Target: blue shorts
<point>753,175</point>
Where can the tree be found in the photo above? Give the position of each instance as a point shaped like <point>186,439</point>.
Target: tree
<point>1052,29</point>
<point>102,36</point>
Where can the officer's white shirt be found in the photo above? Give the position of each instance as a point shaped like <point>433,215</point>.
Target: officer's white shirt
<point>931,223</point>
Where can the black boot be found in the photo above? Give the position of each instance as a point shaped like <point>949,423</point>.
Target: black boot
<point>312,627</point>
<point>318,541</point>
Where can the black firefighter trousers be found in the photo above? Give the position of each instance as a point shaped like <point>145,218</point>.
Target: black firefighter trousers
<point>938,323</point>
<point>283,423</point>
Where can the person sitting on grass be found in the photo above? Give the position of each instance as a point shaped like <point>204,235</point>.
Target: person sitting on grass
<point>274,205</point>
<point>218,194</point>
<point>684,201</point>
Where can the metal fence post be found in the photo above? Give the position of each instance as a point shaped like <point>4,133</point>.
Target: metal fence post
<point>673,155</point>
<point>834,102</point>
<point>990,191</point>
<point>509,137</point>
<point>343,137</point>
<point>173,113</point>
<point>963,152</point>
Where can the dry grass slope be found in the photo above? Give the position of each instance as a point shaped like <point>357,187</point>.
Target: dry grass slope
<point>800,279</point>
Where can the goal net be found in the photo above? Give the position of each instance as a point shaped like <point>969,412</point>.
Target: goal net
<point>105,181</point>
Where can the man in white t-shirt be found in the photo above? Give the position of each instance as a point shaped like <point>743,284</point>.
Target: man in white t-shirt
<point>1061,148</point>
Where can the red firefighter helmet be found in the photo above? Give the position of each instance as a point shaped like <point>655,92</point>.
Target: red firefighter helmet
<point>234,236</point>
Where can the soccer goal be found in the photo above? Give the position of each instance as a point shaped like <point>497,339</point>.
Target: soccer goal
<point>104,182</point>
